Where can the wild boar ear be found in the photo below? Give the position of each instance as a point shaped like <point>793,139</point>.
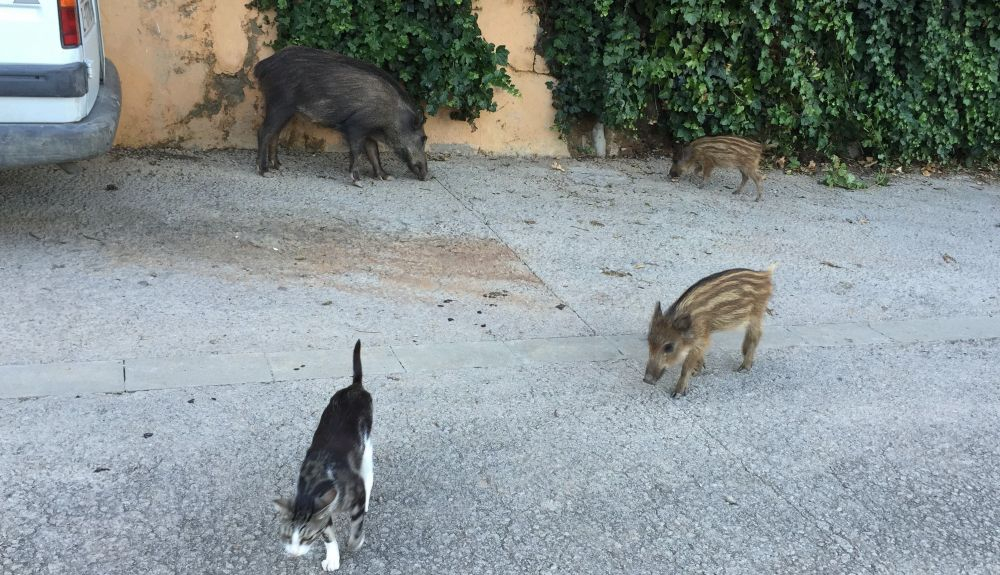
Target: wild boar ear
<point>682,323</point>
<point>658,311</point>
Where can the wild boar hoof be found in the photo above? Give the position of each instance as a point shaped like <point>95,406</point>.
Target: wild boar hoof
<point>388,178</point>
<point>743,367</point>
<point>269,174</point>
<point>357,184</point>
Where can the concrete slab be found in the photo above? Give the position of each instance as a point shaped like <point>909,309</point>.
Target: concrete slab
<point>446,356</point>
<point>610,247</point>
<point>869,442</point>
<point>195,371</point>
<point>61,379</point>
<point>820,460</point>
<point>777,337</point>
<point>632,346</point>
<point>727,340</point>
<point>313,364</point>
<point>196,254</point>
<point>939,329</point>
<point>834,334</point>
<point>565,349</point>
<point>859,457</point>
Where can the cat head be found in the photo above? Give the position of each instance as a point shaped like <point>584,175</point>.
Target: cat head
<point>302,525</point>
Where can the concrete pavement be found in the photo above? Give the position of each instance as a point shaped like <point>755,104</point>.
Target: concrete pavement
<point>172,325</point>
<point>876,459</point>
<point>140,374</point>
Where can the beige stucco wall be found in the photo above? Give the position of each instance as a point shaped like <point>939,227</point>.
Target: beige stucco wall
<point>185,69</point>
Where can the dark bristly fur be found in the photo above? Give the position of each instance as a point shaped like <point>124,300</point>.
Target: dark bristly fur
<point>724,152</point>
<point>335,475</point>
<point>358,99</point>
<point>721,301</point>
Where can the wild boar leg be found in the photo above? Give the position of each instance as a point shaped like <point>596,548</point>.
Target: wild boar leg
<point>743,182</point>
<point>357,145</point>
<point>706,172</point>
<point>757,182</point>
<point>371,150</point>
<point>272,154</point>
<point>267,137</point>
<point>694,358</point>
<point>699,368</point>
<point>750,341</point>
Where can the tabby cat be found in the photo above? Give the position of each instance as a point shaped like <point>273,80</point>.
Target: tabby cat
<point>336,475</point>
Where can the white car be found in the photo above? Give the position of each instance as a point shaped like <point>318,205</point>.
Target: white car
<point>60,99</point>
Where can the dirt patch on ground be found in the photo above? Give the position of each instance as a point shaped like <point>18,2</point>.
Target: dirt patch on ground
<point>347,257</point>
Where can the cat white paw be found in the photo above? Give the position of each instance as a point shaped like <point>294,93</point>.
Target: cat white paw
<point>331,565</point>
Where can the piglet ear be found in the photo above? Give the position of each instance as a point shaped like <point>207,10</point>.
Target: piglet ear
<point>682,323</point>
<point>283,506</point>
<point>657,314</point>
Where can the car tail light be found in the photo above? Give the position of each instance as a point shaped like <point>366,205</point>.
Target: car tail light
<point>69,24</point>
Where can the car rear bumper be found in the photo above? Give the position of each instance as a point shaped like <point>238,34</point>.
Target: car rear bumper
<point>35,144</point>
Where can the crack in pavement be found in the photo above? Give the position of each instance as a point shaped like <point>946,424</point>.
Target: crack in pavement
<point>499,238</point>
<point>830,530</point>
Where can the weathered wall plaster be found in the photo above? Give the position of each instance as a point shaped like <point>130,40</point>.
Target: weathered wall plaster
<point>185,68</point>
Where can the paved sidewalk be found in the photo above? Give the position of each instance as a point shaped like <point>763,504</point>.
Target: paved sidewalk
<point>854,459</point>
<point>193,254</point>
<point>501,306</point>
<point>142,374</point>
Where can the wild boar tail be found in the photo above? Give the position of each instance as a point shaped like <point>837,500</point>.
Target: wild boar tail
<point>772,267</point>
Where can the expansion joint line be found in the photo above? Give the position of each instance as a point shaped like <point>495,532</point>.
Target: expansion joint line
<point>493,230</point>
<point>823,525</point>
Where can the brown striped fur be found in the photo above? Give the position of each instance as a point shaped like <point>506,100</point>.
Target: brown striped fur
<point>724,152</point>
<point>722,301</point>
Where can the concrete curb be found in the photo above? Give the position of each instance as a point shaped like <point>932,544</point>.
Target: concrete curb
<point>20,381</point>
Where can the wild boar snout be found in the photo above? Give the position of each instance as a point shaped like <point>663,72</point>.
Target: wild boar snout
<point>653,373</point>
<point>419,168</point>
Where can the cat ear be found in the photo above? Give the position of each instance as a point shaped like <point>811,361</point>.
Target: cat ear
<point>283,506</point>
<point>327,499</point>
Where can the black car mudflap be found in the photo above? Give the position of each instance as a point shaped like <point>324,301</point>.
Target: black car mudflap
<point>39,81</point>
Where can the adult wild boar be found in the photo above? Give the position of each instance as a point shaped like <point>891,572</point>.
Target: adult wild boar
<point>361,101</point>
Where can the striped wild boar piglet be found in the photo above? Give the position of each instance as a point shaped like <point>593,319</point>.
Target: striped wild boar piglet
<point>364,103</point>
<point>724,152</point>
<point>719,302</point>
